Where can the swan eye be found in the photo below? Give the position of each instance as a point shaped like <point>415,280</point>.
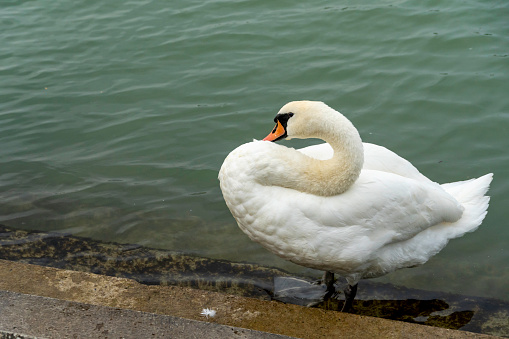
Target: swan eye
<point>283,118</point>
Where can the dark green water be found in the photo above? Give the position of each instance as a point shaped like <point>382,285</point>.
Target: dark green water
<point>116,116</point>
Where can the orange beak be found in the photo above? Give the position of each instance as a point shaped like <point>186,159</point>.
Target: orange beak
<point>277,132</point>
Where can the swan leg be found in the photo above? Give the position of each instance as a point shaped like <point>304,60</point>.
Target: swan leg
<point>328,280</point>
<point>350,293</point>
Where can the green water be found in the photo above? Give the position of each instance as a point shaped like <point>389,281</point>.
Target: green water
<point>115,116</point>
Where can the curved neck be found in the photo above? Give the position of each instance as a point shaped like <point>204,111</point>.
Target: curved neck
<point>326,177</point>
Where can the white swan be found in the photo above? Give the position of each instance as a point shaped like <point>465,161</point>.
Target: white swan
<point>358,210</point>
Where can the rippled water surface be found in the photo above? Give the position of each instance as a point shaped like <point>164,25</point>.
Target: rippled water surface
<point>115,116</point>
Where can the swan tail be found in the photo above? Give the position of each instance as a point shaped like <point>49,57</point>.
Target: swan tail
<point>417,250</point>
<point>471,194</point>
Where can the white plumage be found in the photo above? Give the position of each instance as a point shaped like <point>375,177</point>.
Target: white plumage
<point>355,209</point>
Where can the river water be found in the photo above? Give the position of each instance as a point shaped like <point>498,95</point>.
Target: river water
<point>115,116</point>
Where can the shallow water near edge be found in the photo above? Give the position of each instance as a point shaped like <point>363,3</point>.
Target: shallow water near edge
<point>115,117</point>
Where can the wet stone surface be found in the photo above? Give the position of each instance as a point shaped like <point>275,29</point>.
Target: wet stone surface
<point>158,267</point>
<point>145,265</point>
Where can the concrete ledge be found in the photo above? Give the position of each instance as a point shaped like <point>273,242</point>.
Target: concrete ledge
<point>54,318</point>
<point>126,299</point>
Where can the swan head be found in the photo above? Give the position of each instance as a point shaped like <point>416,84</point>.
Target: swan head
<point>313,119</point>
<point>303,120</point>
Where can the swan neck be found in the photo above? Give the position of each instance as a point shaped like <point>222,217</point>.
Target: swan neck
<point>337,174</point>
<point>346,163</point>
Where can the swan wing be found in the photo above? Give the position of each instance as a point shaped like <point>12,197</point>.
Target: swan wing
<point>322,151</point>
<point>382,159</point>
<point>384,205</point>
<point>375,158</point>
